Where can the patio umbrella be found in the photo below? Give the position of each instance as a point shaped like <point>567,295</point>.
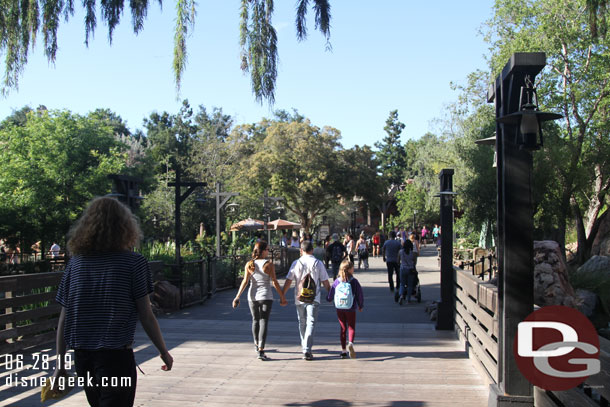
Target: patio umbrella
<point>283,224</point>
<point>247,224</point>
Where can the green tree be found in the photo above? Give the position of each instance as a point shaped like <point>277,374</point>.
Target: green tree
<point>577,84</point>
<point>299,162</point>
<point>51,166</point>
<point>426,158</point>
<point>22,21</point>
<point>391,153</point>
<point>391,158</point>
<point>170,138</point>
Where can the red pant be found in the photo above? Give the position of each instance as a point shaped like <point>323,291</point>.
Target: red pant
<point>347,320</point>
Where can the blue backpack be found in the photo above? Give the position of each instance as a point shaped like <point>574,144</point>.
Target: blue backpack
<point>344,297</point>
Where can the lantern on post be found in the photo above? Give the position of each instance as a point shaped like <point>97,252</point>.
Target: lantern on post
<point>528,118</point>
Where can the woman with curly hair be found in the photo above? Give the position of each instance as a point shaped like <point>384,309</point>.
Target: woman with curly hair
<point>104,290</point>
<point>260,272</point>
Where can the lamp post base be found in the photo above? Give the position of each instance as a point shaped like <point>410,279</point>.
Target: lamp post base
<point>497,398</point>
<point>444,317</point>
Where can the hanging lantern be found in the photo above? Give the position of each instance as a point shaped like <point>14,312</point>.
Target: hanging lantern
<point>528,119</point>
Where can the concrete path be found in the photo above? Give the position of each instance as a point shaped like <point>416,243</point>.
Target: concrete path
<point>401,359</point>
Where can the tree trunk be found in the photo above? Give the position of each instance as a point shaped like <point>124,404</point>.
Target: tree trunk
<point>580,233</point>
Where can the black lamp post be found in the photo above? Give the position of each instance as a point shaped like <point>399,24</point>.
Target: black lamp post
<point>444,320</point>
<point>126,189</point>
<point>518,133</point>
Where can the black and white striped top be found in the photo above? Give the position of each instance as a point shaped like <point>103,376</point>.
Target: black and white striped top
<point>99,292</point>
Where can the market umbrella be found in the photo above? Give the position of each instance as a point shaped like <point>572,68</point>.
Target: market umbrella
<point>283,224</point>
<point>247,224</point>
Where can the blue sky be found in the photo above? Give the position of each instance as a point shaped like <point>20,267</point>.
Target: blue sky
<point>388,54</point>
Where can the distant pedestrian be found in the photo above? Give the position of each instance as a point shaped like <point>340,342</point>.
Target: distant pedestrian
<point>104,289</point>
<point>350,246</point>
<point>435,232</point>
<point>362,247</point>
<point>407,272</point>
<point>260,272</point>
<point>319,252</point>
<point>284,240</point>
<point>304,271</point>
<point>55,250</point>
<point>336,252</point>
<point>416,248</point>
<point>424,236</point>
<point>327,243</point>
<point>346,292</point>
<point>295,243</point>
<point>390,251</point>
<point>376,243</point>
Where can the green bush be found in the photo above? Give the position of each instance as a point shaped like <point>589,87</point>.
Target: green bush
<point>166,251</point>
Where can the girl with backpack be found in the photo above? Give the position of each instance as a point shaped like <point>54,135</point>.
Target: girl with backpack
<point>347,294</point>
<point>407,271</point>
<point>260,272</point>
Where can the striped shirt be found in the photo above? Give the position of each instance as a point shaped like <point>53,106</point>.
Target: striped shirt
<point>98,292</point>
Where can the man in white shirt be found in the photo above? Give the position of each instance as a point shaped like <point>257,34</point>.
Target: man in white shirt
<point>55,250</point>
<point>307,313</point>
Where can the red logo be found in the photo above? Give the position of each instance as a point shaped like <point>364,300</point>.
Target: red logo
<point>557,348</point>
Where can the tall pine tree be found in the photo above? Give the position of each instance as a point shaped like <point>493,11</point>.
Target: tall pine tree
<point>391,155</point>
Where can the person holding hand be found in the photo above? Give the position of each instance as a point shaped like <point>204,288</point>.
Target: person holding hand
<point>260,273</point>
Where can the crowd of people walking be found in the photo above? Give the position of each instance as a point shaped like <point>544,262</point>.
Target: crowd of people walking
<point>106,286</point>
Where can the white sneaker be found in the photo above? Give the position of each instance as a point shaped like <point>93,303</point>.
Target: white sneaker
<point>352,352</point>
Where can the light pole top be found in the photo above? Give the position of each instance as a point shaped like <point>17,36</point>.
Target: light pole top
<point>446,171</point>
<point>520,62</point>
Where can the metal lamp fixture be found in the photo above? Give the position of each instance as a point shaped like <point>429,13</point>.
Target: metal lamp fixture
<point>491,141</point>
<point>528,118</point>
<point>447,197</point>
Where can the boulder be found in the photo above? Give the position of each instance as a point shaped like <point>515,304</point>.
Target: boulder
<point>594,276</point>
<point>551,284</point>
<point>166,296</point>
<point>596,264</point>
<point>588,302</point>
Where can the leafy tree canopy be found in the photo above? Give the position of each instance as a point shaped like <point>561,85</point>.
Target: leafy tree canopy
<point>51,166</point>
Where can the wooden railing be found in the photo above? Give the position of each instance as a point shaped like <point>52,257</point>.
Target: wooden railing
<point>476,317</point>
<point>29,309</point>
<point>476,321</point>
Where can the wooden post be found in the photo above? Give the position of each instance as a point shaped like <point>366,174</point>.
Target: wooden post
<point>515,229</point>
<point>444,318</point>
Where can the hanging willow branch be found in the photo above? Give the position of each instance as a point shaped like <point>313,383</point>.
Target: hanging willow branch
<point>20,21</point>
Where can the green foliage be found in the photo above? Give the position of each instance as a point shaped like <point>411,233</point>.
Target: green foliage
<point>52,165</point>
<point>166,251</point>
<point>171,137</point>
<point>577,84</point>
<point>20,25</point>
<point>297,161</point>
<point>391,153</point>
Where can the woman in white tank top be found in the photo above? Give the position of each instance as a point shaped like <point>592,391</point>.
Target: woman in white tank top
<point>260,273</point>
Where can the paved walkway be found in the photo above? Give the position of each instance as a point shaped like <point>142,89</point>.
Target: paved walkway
<point>401,359</point>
